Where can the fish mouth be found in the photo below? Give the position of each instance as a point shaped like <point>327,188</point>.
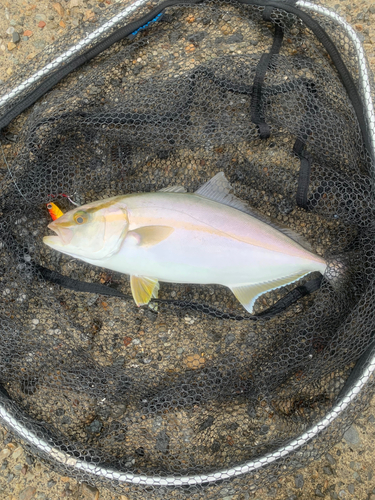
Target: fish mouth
<point>52,241</point>
<point>62,237</point>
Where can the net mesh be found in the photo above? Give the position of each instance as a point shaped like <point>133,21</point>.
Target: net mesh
<point>195,387</point>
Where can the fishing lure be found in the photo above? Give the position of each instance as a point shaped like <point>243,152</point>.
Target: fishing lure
<point>54,210</point>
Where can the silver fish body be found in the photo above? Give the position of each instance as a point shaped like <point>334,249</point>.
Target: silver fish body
<point>191,238</point>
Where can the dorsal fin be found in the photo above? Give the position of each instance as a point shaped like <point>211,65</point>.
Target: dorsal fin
<point>219,189</point>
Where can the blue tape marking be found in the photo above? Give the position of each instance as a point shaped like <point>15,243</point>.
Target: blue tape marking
<point>132,35</point>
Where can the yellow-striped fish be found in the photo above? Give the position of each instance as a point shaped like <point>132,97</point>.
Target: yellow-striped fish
<point>206,237</point>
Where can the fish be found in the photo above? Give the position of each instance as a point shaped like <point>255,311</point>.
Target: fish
<point>209,237</point>
<point>54,211</point>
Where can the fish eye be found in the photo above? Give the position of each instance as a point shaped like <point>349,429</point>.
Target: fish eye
<point>49,206</point>
<point>80,218</point>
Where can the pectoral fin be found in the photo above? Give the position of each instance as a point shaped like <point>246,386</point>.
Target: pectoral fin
<point>148,236</point>
<point>143,289</point>
<point>247,294</point>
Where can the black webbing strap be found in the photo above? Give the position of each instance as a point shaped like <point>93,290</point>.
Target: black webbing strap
<point>299,148</point>
<point>76,285</point>
<point>256,99</point>
<point>96,288</point>
<point>291,297</point>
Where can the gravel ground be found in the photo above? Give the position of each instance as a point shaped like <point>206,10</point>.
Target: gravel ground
<point>347,471</point>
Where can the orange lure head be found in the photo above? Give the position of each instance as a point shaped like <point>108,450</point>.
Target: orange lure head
<point>54,211</point>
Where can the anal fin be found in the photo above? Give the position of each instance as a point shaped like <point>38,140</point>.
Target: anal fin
<point>248,294</point>
<point>143,289</point>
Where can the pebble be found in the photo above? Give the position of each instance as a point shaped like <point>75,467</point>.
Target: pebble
<point>355,465</point>
<point>95,427</point>
<point>357,477</point>
<point>10,30</point>
<point>89,492</point>
<point>263,431</point>
<point>59,9</point>
<point>371,418</point>
<point>17,453</point>
<point>330,459</point>
<point>11,46</point>
<point>4,454</point>
<point>51,483</point>
<point>318,491</point>
<point>91,301</point>
<point>351,488</point>
<point>39,44</point>
<point>206,424</point>
<point>328,471</point>
<point>41,24</point>
<point>299,482</point>
<point>235,38</point>
<point>230,338</point>
<point>226,491</point>
<point>351,436</point>
<point>27,493</point>
<point>196,37</point>
<point>157,423</point>
<point>162,442</point>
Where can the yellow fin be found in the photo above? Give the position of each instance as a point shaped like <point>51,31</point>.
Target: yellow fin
<point>143,289</point>
<point>148,236</point>
<point>247,294</point>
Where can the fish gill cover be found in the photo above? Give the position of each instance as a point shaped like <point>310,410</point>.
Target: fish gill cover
<point>191,395</point>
